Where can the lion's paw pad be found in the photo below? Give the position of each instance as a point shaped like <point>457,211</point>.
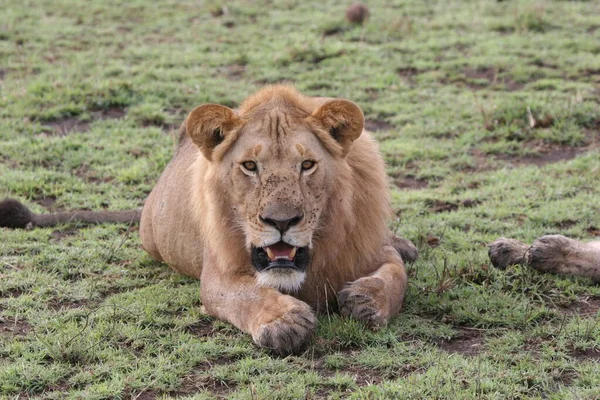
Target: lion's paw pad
<point>288,334</point>
<point>359,300</point>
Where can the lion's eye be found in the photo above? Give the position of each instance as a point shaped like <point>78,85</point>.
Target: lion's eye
<point>249,166</point>
<point>308,164</point>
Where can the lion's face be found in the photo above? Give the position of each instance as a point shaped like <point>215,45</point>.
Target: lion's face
<point>280,185</point>
<point>276,168</point>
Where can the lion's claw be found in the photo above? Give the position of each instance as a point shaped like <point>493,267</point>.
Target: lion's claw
<point>359,300</point>
<point>288,334</point>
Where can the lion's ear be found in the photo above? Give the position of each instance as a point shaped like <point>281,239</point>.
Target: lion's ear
<point>208,126</point>
<point>343,119</point>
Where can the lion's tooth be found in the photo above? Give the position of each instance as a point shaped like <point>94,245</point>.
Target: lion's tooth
<point>270,254</point>
<point>292,253</point>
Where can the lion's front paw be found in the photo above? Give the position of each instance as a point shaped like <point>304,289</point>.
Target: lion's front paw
<point>505,252</point>
<point>288,334</point>
<point>363,300</point>
<point>407,249</point>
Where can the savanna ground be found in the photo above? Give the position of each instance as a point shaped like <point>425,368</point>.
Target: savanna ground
<point>487,113</point>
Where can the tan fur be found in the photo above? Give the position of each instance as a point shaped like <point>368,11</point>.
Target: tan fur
<point>205,213</point>
<point>551,253</point>
<point>14,214</point>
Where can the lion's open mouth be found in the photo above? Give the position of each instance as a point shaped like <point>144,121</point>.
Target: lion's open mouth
<point>280,255</point>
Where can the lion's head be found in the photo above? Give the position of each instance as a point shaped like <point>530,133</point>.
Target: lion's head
<point>273,164</point>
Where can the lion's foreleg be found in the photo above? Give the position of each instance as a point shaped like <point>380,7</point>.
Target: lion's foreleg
<point>551,253</point>
<point>276,321</point>
<point>374,299</point>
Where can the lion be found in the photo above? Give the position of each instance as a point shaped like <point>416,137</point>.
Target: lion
<point>551,253</point>
<point>281,209</point>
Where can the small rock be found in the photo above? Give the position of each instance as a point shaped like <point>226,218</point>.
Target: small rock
<point>357,13</point>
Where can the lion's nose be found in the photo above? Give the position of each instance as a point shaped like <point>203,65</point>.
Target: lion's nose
<point>282,225</point>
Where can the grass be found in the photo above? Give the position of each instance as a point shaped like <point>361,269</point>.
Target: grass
<point>486,112</point>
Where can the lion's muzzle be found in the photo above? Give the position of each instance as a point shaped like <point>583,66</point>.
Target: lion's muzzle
<point>281,266</point>
<point>280,256</point>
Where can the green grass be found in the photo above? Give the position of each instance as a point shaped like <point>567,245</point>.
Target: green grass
<point>487,114</point>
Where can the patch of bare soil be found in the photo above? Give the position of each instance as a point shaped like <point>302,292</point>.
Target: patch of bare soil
<point>66,304</point>
<point>47,202</point>
<point>229,23</point>
<point>544,64</point>
<point>408,74</point>
<point>592,230</point>
<point>588,307</point>
<point>561,154</point>
<point>548,154</point>
<point>56,390</point>
<point>57,235</point>
<point>469,342</point>
<point>373,95</point>
<point>201,379</point>
<point>586,355</point>
<point>15,327</point>
<point>195,383</point>
<point>482,163</point>
<point>200,329</point>
<point>469,203</point>
<point>566,377</point>
<point>165,127</point>
<point>89,175</point>
<point>438,206</point>
<point>265,81</point>
<point>319,86</point>
<point>565,224</point>
<point>335,30</point>
<point>432,241</point>
<point>362,376</point>
<point>489,74</point>
<point>65,126</point>
<point>592,72</point>
<point>378,125</point>
<point>408,183</point>
<point>12,292</point>
<point>111,113</point>
<point>145,395</point>
<point>234,72</point>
